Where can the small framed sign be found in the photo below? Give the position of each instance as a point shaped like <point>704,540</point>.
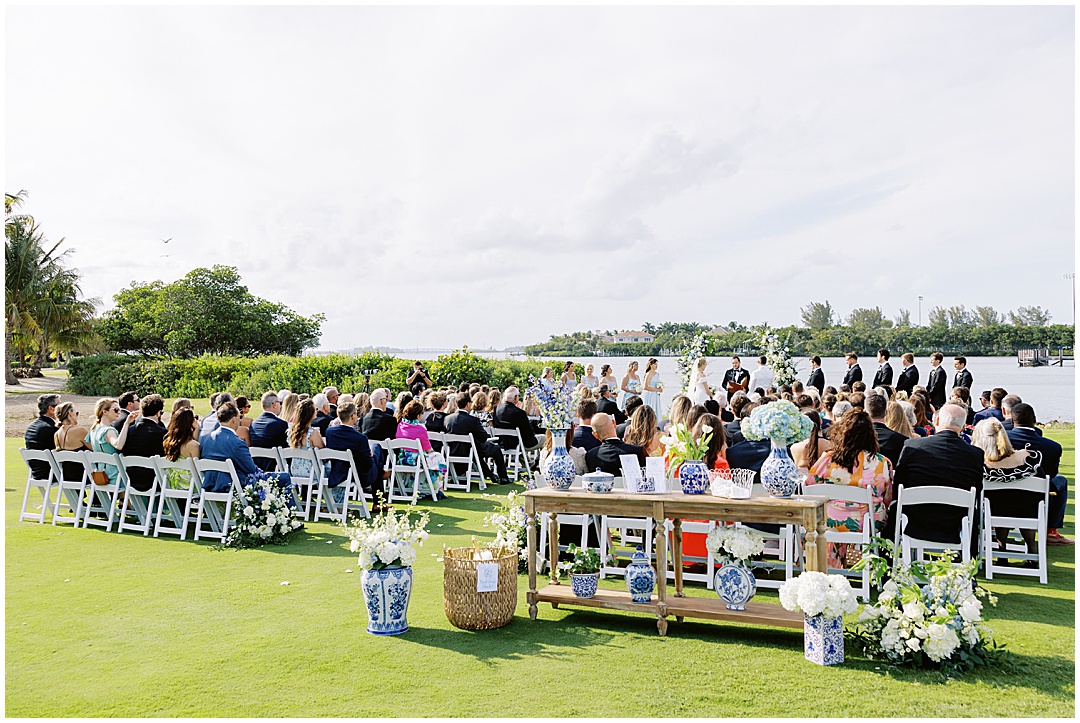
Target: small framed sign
<point>487,577</point>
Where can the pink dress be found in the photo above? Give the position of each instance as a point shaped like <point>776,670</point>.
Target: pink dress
<point>871,470</point>
<point>414,430</point>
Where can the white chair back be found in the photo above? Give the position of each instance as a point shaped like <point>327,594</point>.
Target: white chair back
<point>175,504</point>
<point>43,486</point>
<point>215,508</point>
<point>940,495</point>
<point>400,472</point>
<point>991,520</point>
<point>353,491</point>
<point>137,503</point>
<point>471,460</point>
<point>270,453</point>
<point>102,497</point>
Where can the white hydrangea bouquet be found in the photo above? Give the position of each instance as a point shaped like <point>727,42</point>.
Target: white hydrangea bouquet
<point>780,421</point>
<point>556,404</point>
<point>815,593</point>
<point>732,545</point>
<point>387,539</point>
<point>262,515</point>
<point>928,613</point>
<point>777,355</point>
<point>511,530</point>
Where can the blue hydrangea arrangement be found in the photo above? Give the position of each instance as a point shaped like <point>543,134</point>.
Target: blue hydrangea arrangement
<point>781,422</point>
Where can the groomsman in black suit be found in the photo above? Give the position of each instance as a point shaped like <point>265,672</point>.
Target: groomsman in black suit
<point>883,377</point>
<point>935,384</point>
<point>817,377</point>
<point>854,373</point>
<point>735,378</point>
<point>909,375</point>
<point>963,376</point>
<point>607,405</point>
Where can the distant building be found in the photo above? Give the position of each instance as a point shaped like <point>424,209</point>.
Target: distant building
<point>719,330</point>
<point>632,337</point>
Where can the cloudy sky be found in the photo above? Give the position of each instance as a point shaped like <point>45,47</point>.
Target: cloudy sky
<point>490,176</point>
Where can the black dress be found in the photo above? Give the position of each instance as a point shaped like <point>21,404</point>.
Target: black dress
<point>1009,503</point>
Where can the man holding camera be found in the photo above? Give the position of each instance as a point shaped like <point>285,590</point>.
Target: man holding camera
<point>418,381</point>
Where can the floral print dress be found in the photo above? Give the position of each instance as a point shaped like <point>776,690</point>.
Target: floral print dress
<point>871,470</point>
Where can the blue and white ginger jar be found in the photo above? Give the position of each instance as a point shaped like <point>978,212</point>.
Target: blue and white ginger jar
<point>559,469</point>
<point>823,639</point>
<point>735,585</point>
<point>693,477</point>
<point>386,595</point>
<point>640,578</point>
<point>779,475</point>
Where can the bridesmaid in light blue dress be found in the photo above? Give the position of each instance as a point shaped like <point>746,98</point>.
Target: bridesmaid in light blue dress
<point>631,384</point>
<point>653,387</point>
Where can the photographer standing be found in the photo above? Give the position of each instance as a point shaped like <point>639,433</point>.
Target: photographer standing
<point>418,381</point>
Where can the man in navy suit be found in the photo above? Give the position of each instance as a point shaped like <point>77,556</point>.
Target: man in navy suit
<point>222,444</point>
<point>883,377</point>
<point>268,429</point>
<point>1025,434</point>
<point>909,375</point>
<point>890,443</point>
<point>854,373</point>
<point>369,463</point>
<point>583,435</point>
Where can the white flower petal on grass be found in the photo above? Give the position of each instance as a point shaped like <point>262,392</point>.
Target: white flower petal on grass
<point>349,570</point>
<point>284,582</point>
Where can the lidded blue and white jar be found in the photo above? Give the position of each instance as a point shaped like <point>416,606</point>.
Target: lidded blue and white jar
<point>640,578</point>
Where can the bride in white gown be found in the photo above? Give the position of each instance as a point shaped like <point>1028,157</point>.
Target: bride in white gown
<point>699,388</point>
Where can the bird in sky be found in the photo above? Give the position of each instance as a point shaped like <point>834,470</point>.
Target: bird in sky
<point>165,240</point>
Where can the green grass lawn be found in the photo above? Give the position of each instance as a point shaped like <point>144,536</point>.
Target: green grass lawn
<point>101,624</point>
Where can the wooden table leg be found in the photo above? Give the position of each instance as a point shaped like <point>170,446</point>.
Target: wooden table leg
<point>677,559</point>
<point>661,568</point>
<point>810,551</point>
<point>530,523</point>
<point>823,546</point>
<point>553,545</point>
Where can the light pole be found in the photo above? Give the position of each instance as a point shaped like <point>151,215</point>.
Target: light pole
<point>1072,277</point>
<point>920,311</point>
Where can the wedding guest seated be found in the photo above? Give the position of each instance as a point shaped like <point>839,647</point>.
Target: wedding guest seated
<point>733,429</point>
<point>510,415</point>
<point>244,430</point>
<point>921,426</point>
<point>180,442</point>
<point>129,402</point>
<point>839,409</point>
<point>576,453</point>
<point>369,461</point>
<point>857,400</point>
<point>210,421</point>
<point>323,418</point>
<point>145,438</point>
<point>41,434</point>
<point>480,407</point>
<point>103,436</point>
<point>854,460</point>
<point>643,431</point>
<point>303,434</point>
<point>889,442</point>
<point>1002,463</point>
<point>378,424</point>
<point>897,419</point>
<point>715,453</point>
<point>606,405</point>
<point>495,398</point>
<point>942,460</point>
<point>70,437</point>
<point>332,396</point>
<point>807,452</point>
<point>632,403</point>
<point>268,429</point>
<point>409,427</point>
<point>434,421</point>
<point>1007,404</point>
<point>962,397</point>
<point>1025,434</point>
<point>694,414</point>
<point>223,443</point>
<point>712,407</point>
<point>606,456</point>
<point>363,404</point>
<point>680,405</point>
<point>858,387</point>
<point>463,422</point>
<point>991,402</point>
<point>583,436</point>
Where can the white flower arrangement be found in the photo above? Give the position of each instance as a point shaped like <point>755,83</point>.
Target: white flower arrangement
<point>778,357</point>
<point>734,545</point>
<point>815,593</point>
<point>262,515</point>
<point>682,447</point>
<point>511,530</point>
<point>779,421</point>
<point>387,539</point>
<point>556,404</point>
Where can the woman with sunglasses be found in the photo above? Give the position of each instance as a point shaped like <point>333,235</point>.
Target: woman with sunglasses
<point>103,438</point>
<point>70,437</point>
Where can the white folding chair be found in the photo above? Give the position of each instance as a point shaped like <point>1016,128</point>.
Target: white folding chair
<point>515,456</point>
<point>582,521</point>
<point>784,552</point>
<point>353,497</point>
<point>863,496</point>
<point>176,502</point>
<point>471,460</point>
<point>399,472</point>
<point>693,527</point>
<point>215,508</point>
<point>70,493</point>
<point>1033,485</point>
<point>270,453</point>
<point>102,497</point>
<point>138,504</point>
<point>43,486</point>
<point>307,484</point>
<point>914,548</point>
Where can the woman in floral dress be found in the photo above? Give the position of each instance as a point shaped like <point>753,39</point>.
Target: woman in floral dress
<point>854,460</point>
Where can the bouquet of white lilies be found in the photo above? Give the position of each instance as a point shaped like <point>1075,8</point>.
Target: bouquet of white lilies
<point>682,447</point>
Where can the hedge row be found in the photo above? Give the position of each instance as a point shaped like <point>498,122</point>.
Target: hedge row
<point>113,374</point>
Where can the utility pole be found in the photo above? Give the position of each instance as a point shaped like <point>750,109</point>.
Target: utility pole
<point>920,311</point>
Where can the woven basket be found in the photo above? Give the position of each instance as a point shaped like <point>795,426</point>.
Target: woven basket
<point>471,610</point>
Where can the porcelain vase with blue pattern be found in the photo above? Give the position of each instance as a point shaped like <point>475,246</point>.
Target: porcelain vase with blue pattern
<point>386,595</point>
<point>640,578</point>
<point>584,584</point>
<point>779,475</point>
<point>693,477</point>
<point>735,585</point>
<point>559,467</point>
<point>823,639</point>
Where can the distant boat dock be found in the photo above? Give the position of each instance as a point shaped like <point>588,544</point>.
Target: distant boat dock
<point>1043,357</point>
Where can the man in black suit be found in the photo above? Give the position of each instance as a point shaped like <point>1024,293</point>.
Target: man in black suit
<point>631,406</point>
<point>889,442</point>
<point>854,373</point>
<point>268,430</point>
<point>1025,434</point>
<point>42,432</point>
<point>817,377</point>
<point>323,417</point>
<point>735,379</point>
<point>378,424</point>
<point>369,463</point>
<point>883,376</point>
<point>144,439</point>
<point>909,375</point>
<point>583,435</point>
<point>461,422</point>
<point>935,383</point>
<point>605,456</point>
<point>510,415</point>
<point>129,402</point>
<point>332,395</point>
<point>941,460</point>
<point>963,376</point>
<point>607,405</point>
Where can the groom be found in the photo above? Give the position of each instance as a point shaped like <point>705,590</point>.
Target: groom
<point>736,378</point>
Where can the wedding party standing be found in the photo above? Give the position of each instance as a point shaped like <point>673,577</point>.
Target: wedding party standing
<point>736,379</point>
<point>631,384</point>
<point>653,387</point>
<point>699,388</point>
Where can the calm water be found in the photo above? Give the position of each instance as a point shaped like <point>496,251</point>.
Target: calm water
<point>1051,390</point>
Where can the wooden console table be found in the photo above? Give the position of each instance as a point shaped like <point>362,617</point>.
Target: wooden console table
<point>807,511</point>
